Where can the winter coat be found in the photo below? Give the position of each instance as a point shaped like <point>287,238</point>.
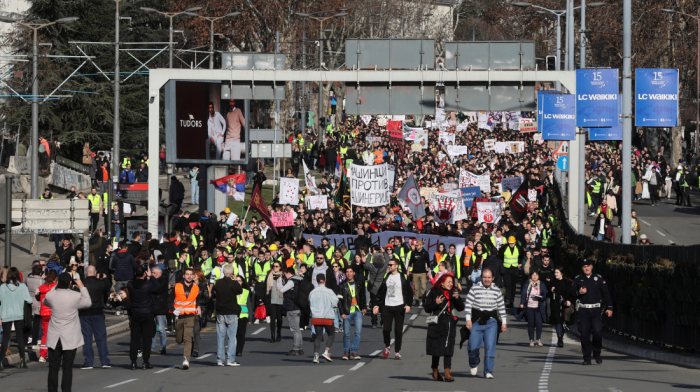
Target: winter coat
<point>141,294</point>
<point>45,311</point>
<point>176,190</point>
<point>441,336</point>
<point>558,297</point>
<point>345,302</point>
<point>288,304</point>
<point>525,294</point>
<point>323,302</point>
<point>123,265</point>
<point>33,284</point>
<point>376,273</point>
<point>97,288</point>
<point>160,296</point>
<point>65,323</point>
<point>12,299</point>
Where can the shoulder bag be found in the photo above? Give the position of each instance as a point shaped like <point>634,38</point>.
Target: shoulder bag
<point>433,319</point>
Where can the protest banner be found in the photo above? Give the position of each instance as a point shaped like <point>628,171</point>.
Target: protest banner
<point>430,241</point>
<point>515,147</point>
<point>527,125</point>
<point>510,183</point>
<point>462,127</point>
<point>466,178</point>
<point>484,182</point>
<point>446,137</point>
<point>396,138</point>
<point>537,138</point>
<point>369,185</point>
<point>392,176</point>
<point>372,139</point>
<point>476,202</point>
<point>448,206</point>
<point>468,195</point>
<point>532,194</point>
<point>381,121</point>
<point>489,144</point>
<point>425,192</point>
<point>289,191</point>
<point>318,202</point>
<point>421,140</point>
<point>500,147</point>
<point>455,151</point>
<point>488,212</point>
<point>366,119</point>
<point>282,219</point>
<point>449,187</point>
<point>399,117</point>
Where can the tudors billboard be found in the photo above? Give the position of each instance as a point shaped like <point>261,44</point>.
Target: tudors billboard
<point>202,128</point>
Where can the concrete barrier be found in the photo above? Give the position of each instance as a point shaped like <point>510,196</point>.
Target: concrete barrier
<point>19,165</point>
<point>65,178</point>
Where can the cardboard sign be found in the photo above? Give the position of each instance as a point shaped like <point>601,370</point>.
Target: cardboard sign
<point>446,137</point>
<point>448,206</point>
<point>318,202</point>
<point>455,151</point>
<point>488,212</point>
<point>372,139</point>
<point>449,187</point>
<point>289,191</point>
<point>489,144</point>
<point>510,184</point>
<point>532,194</point>
<point>527,125</point>
<point>425,192</point>
<point>282,219</point>
<point>369,185</point>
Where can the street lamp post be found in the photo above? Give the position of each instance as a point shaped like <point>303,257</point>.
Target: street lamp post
<point>211,20</point>
<point>697,86</point>
<point>33,153</point>
<point>171,15</point>
<point>321,19</point>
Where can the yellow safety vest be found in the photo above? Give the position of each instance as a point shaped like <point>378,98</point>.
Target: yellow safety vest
<point>94,202</point>
<point>354,307</point>
<point>243,303</point>
<point>510,257</point>
<point>330,251</point>
<point>261,272</point>
<point>195,241</point>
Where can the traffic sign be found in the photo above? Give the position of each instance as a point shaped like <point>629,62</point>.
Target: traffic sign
<point>561,150</point>
<point>563,163</point>
<point>51,216</point>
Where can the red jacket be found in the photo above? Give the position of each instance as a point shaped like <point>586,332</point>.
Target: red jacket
<point>43,289</point>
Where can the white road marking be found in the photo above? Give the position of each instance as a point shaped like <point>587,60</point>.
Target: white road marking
<point>611,389</point>
<point>258,331</point>
<point>391,342</point>
<point>374,354</point>
<point>671,241</point>
<point>645,222</point>
<point>204,356</point>
<point>165,370</point>
<point>662,234</point>
<point>121,383</point>
<point>404,328</point>
<point>330,380</point>
<point>547,368</point>
<point>414,317</point>
<point>359,365</point>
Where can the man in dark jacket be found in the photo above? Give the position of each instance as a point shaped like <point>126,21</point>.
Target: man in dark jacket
<point>176,192</point>
<point>142,173</point>
<point>418,267</point>
<point>123,266</point>
<point>226,291</point>
<point>351,308</point>
<point>134,246</point>
<point>290,287</point>
<point>209,229</point>
<point>92,319</point>
<point>143,326</point>
<point>160,310</point>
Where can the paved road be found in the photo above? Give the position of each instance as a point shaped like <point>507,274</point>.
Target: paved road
<point>265,368</point>
<point>666,223</point>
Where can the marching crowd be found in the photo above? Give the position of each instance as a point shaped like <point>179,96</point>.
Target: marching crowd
<point>242,272</point>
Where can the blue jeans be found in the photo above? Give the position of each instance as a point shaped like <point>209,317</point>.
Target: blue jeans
<point>226,325</point>
<point>94,325</point>
<point>356,319</point>
<point>600,237</point>
<point>161,324</point>
<point>195,193</point>
<point>117,233</point>
<point>486,334</point>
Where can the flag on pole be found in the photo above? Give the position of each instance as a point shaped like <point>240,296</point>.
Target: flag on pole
<point>257,203</point>
<point>342,195</point>
<point>310,180</point>
<point>233,185</point>
<point>519,202</point>
<point>410,194</point>
<point>337,166</point>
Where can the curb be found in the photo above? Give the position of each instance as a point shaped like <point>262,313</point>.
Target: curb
<point>650,354</point>
<point>33,355</point>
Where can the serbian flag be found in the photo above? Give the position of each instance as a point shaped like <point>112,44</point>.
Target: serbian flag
<point>337,166</point>
<point>233,185</point>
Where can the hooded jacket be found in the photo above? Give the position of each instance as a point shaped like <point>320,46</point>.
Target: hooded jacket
<point>123,265</point>
<point>377,269</point>
<point>141,293</point>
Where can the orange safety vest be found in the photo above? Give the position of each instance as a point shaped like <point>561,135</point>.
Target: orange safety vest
<point>378,157</point>
<point>186,305</point>
<point>467,256</point>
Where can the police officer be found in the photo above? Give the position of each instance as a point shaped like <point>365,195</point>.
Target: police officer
<point>590,290</point>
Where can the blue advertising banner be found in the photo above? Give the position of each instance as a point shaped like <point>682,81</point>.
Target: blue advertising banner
<point>596,97</point>
<point>468,195</point>
<point>656,98</point>
<point>559,117</point>
<point>612,133</point>
<point>539,107</point>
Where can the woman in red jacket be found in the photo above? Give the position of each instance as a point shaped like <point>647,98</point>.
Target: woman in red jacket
<point>45,312</point>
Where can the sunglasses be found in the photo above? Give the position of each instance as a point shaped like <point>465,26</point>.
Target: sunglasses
<point>392,265</point>
<point>275,266</point>
<point>336,266</point>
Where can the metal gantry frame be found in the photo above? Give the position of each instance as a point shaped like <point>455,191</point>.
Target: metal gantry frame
<point>159,77</point>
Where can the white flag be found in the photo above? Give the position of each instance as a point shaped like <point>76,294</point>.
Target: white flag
<point>310,180</point>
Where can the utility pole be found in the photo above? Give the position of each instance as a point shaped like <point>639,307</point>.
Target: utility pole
<point>582,133</point>
<point>626,120</point>
<point>115,150</point>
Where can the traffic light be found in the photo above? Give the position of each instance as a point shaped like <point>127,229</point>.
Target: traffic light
<point>551,63</point>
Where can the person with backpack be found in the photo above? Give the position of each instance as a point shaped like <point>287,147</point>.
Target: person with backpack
<point>292,305</point>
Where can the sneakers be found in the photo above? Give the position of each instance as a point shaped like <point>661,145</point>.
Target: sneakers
<point>532,343</point>
<point>106,366</point>
<point>397,356</point>
<point>36,347</point>
<point>327,356</point>
<point>316,359</point>
<point>185,364</point>
<point>489,375</point>
<point>233,364</point>
<point>219,364</point>
<point>346,356</point>
<point>474,370</point>
<point>267,319</point>
<point>386,352</point>
<point>42,359</point>
<point>118,313</point>
<point>256,321</point>
<point>86,367</point>
<point>29,341</point>
<point>539,343</point>
<point>355,356</point>
<point>140,354</point>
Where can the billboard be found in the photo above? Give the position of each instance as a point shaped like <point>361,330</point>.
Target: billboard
<point>656,98</point>
<point>202,128</point>
<point>612,133</point>
<point>596,97</point>
<point>559,117</point>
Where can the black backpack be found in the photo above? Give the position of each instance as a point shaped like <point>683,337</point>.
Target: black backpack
<point>300,295</point>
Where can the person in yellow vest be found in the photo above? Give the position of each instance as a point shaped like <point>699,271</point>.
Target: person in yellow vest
<point>186,308</point>
<point>96,207</point>
<point>260,271</point>
<point>326,248</point>
<point>197,237</point>
<point>511,255</point>
<point>245,314</point>
<point>228,311</point>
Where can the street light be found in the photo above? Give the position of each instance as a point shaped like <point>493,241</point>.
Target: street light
<point>322,19</point>
<point>211,20</point>
<point>697,92</point>
<point>33,153</point>
<point>171,15</point>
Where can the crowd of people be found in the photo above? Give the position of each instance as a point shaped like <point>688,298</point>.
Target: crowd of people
<point>242,272</point>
